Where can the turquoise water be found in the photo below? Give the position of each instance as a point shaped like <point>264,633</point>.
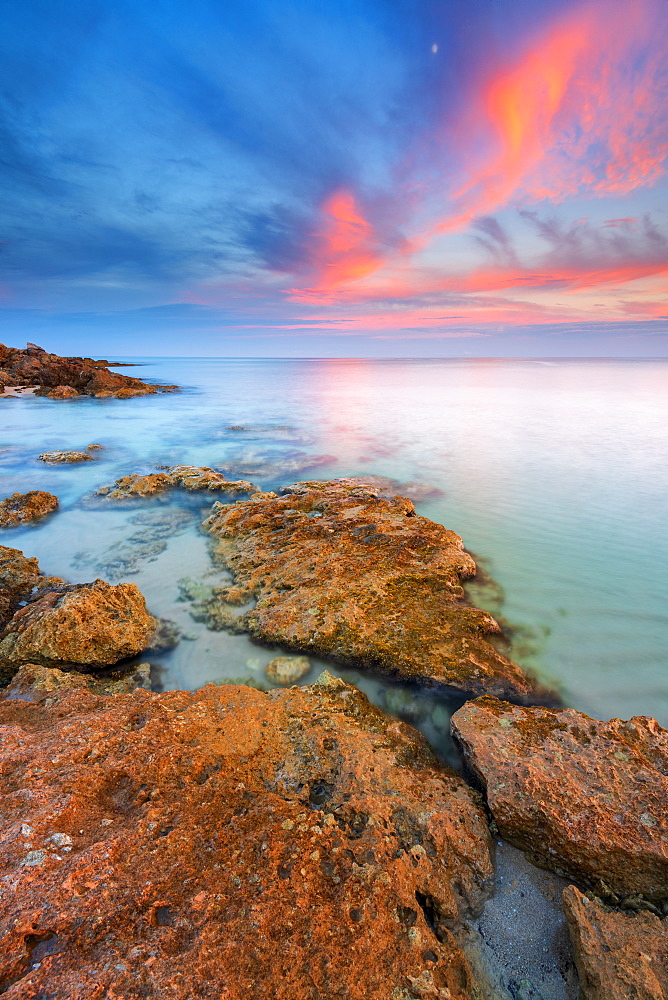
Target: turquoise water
<point>553,471</point>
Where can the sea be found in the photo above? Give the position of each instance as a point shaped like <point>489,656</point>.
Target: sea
<point>553,471</point>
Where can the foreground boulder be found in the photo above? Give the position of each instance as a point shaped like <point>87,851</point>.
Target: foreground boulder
<point>22,507</point>
<point>20,578</point>
<point>90,624</point>
<point>585,799</point>
<point>188,477</point>
<point>231,843</point>
<point>619,956</point>
<point>63,378</point>
<point>338,571</point>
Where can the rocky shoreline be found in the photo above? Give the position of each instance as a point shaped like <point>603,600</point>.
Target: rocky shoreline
<point>33,371</point>
<point>300,843</point>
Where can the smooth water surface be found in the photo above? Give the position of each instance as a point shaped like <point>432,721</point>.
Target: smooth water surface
<point>554,472</point>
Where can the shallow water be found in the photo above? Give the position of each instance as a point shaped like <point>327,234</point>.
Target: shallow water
<point>554,473</point>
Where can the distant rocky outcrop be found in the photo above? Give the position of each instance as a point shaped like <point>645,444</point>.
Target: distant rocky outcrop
<point>64,457</point>
<point>187,477</point>
<point>22,507</point>
<point>339,571</point>
<point>620,956</point>
<point>232,843</point>
<point>583,798</point>
<point>64,378</point>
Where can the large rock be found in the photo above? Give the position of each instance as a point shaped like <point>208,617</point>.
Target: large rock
<point>21,507</point>
<point>619,956</point>
<point>585,799</point>
<point>54,375</point>
<point>20,577</point>
<point>35,683</point>
<point>89,624</point>
<point>187,477</point>
<point>231,843</point>
<point>338,571</point>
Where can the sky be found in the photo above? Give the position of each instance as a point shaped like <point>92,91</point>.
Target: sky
<point>370,178</point>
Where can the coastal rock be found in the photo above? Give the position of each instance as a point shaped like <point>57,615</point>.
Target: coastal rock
<point>583,798</point>
<point>64,457</point>
<point>339,572</point>
<point>60,392</point>
<point>92,624</point>
<point>62,378</point>
<point>231,843</point>
<point>36,683</point>
<point>20,577</point>
<point>187,477</point>
<point>619,956</point>
<point>287,670</point>
<point>21,507</point>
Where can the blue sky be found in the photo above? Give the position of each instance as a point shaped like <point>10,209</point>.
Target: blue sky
<point>371,178</point>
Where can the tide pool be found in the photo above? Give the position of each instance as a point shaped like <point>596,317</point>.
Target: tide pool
<point>554,473</point>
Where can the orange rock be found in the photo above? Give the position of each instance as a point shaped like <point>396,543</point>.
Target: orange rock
<point>64,457</point>
<point>19,578</point>
<point>585,799</point>
<point>339,572</point>
<point>619,956</point>
<point>20,507</point>
<point>188,477</point>
<point>62,378</point>
<point>92,624</point>
<point>231,843</point>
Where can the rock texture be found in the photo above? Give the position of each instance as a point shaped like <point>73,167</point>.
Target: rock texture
<point>619,956</point>
<point>187,477</point>
<point>62,378</point>
<point>20,577</point>
<point>64,457</point>
<point>232,844</point>
<point>89,624</point>
<point>585,799</point>
<point>21,507</point>
<point>35,683</point>
<point>339,572</point>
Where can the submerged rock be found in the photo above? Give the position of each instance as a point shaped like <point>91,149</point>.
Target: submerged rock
<point>619,956</point>
<point>21,507</point>
<point>230,843</point>
<point>64,457</point>
<point>287,670</point>
<point>89,624</point>
<point>584,798</point>
<point>61,378</point>
<point>340,572</point>
<point>185,476</point>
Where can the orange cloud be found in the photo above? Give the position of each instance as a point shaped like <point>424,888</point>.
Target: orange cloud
<point>345,248</point>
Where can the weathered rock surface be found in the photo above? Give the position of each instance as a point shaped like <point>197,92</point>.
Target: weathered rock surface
<point>21,507</point>
<point>340,572</point>
<point>287,669</point>
<point>35,683</point>
<point>230,843</point>
<point>89,624</point>
<point>64,457</point>
<point>20,577</point>
<point>187,477</point>
<point>62,378</point>
<point>586,799</point>
<point>619,956</point>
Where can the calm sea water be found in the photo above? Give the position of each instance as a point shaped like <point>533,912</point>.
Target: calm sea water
<point>554,472</point>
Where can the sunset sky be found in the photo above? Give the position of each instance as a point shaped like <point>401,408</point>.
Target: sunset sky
<point>378,177</point>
